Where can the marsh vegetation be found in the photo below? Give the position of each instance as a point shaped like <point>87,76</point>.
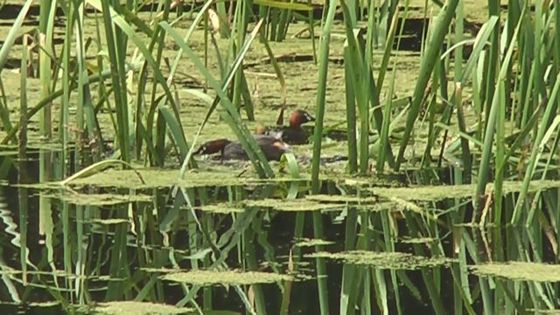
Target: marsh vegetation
<point>428,183</point>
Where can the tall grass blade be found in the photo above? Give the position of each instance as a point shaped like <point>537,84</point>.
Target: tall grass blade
<point>426,66</point>
<point>484,167</point>
<point>317,142</point>
<point>230,116</point>
<point>14,32</point>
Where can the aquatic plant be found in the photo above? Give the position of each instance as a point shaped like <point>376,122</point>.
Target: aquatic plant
<point>450,119</point>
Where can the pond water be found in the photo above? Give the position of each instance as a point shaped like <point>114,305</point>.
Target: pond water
<point>245,246</point>
<point>219,240</point>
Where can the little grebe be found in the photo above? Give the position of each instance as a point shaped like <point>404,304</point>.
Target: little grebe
<point>294,133</point>
<point>272,147</point>
<point>213,146</point>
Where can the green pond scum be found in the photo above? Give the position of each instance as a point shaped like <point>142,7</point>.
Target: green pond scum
<point>313,242</point>
<point>224,277</point>
<point>383,260</point>
<point>519,271</point>
<point>418,175</point>
<point>140,308</point>
<point>98,199</point>
<point>222,208</point>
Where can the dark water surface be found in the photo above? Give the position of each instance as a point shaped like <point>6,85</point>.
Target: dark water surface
<point>414,255</point>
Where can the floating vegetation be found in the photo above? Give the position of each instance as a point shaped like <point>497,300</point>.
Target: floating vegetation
<point>383,260</point>
<point>227,277</point>
<point>410,103</point>
<point>418,240</point>
<point>534,186</point>
<point>161,178</point>
<point>99,199</point>
<point>153,178</point>
<point>334,203</point>
<point>546,312</point>
<point>140,308</point>
<point>308,242</point>
<point>425,193</point>
<point>342,198</point>
<point>385,205</point>
<point>221,208</point>
<point>519,271</point>
<point>367,182</point>
<point>8,151</point>
<point>44,304</point>
<point>109,221</point>
<point>441,192</point>
<point>292,205</point>
<point>159,270</point>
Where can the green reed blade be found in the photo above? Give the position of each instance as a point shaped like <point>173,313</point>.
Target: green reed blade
<point>199,17</point>
<point>175,130</point>
<point>320,100</point>
<point>384,132</point>
<point>231,116</point>
<point>484,167</point>
<point>357,78</point>
<point>130,32</point>
<point>23,177</point>
<point>13,33</point>
<point>350,273</point>
<point>251,263</point>
<point>365,91</point>
<point>64,136</point>
<point>350,115</point>
<point>156,150</point>
<point>388,46</point>
<point>426,66</point>
<point>544,133</point>
<point>118,79</point>
<point>316,161</point>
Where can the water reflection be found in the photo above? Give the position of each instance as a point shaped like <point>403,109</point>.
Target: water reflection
<point>243,246</point>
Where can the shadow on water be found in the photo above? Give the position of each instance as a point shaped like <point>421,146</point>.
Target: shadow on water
<point>241,244</point>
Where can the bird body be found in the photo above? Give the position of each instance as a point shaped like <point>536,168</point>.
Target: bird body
<point>294,133</point>
<point>272,147</point>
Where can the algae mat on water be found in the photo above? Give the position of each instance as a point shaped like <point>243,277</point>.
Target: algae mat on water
<point>99,199</point>
<point>292,205</point>
<point>383,260</point>
<point>139,308</point>
<point>223,207</point>
<point>160,178</point>
<point>519,271</point>
<point>441,192</point>
<point>308,242</point>
<point>227,277</point>
<point>299,205</point>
